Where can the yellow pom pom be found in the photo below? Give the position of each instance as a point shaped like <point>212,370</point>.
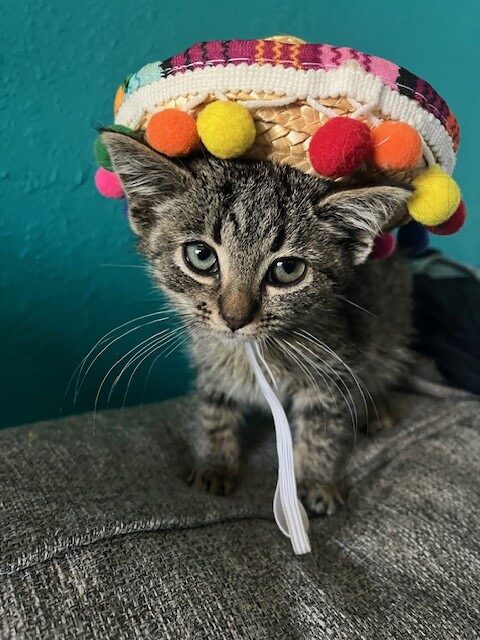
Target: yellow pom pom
<point>226,129</point>
<point>435,198</point>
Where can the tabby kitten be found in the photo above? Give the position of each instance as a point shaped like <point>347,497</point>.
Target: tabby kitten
<point>253,250</point>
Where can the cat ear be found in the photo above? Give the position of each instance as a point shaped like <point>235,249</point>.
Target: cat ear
<point>359,213</point>
<point>148,178</point>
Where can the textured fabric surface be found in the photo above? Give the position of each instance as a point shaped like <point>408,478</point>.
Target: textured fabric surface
<point>100,537</point>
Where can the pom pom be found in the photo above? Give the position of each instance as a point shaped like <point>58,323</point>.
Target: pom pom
<point>226,129</point>
<point>172,132</point>
<point>340,146</point>
<point>435,198</point>
<point>119,98</point>
<point>383,246</point>
<point>453,224</point>
<point>413,237</point>
<point>100,151</point>
<point>101,155</point>
<point>396,146</point>
<point>108,184</point>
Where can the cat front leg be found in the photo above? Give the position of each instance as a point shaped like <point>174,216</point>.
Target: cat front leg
<point>215,443</point>
<point>322,444</point>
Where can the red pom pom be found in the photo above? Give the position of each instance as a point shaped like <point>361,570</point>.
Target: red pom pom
<point>383,246</point>
<point>108,184</point>
<point>340,146</point>
<point>453,224</point>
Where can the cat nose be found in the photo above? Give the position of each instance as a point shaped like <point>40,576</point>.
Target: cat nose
<point>237,308</point>
<point>235,322</point>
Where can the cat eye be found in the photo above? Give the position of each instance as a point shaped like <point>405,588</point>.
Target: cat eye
<point>201,258</point>
<point>286,271</point>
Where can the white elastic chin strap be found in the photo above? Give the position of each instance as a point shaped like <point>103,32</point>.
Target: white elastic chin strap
<point>289,512</point>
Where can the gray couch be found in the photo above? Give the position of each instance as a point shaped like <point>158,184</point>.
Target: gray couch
<point>101,538</point>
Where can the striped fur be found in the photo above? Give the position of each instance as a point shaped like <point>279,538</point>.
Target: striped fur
<point>331,340</point>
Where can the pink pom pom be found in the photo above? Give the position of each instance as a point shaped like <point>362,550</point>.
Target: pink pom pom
<point>383,246</point>
<point>340,146</point>
<point>108,184</point>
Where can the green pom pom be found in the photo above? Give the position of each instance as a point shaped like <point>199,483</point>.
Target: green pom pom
<point>101,155</point>
<point>119,128</point>
<point>100,151</point>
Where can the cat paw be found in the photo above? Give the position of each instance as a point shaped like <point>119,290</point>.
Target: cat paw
<point>322,499</point>
<point>218,480</point>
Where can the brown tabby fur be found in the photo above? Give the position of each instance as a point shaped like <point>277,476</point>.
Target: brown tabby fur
<point>336,340</point>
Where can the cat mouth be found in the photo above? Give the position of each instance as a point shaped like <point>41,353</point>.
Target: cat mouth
<point>248,334</point>
<point>234,338</point>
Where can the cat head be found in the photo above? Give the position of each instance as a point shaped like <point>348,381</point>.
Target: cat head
<point>248,248</point>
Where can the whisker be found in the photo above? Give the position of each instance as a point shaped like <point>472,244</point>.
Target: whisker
<point>359,383</point>
<point>340,378</point>
<point>265,364</point>
<point>139,352</point>
<point>349,401</point>
<point>176,346</point>
<point>141,358</point>
<point>110,343</point>
<point>325,376</point>
<point>354,304</point>
<point>150,339</point>
<point>127,266</point>
<point>296,360</point>
<point>302,355</point>
<point>98,343</point>
<point>302,367</point>
<point>101,341</point>
<point>150,369</point>
<point>151,352</point>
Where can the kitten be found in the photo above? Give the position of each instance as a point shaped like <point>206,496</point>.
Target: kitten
<point>253,250</point>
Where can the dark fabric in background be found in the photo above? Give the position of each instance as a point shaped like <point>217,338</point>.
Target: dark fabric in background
<point>447,317</point>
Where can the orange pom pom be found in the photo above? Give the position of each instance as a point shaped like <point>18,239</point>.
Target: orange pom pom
<point>396,145</point>
<point>172,132</point>
<point>119,98</point>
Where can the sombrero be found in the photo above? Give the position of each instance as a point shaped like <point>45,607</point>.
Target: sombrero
<point>322,109</point>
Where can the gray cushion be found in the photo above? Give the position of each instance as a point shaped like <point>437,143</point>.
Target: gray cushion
<point>100,537</point>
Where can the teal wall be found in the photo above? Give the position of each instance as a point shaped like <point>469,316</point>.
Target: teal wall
<point>61,63</point>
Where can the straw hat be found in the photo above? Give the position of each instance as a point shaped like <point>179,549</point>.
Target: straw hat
<point>322,109</point>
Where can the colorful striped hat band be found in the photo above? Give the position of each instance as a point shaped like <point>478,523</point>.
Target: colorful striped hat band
<point>322,109</point>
